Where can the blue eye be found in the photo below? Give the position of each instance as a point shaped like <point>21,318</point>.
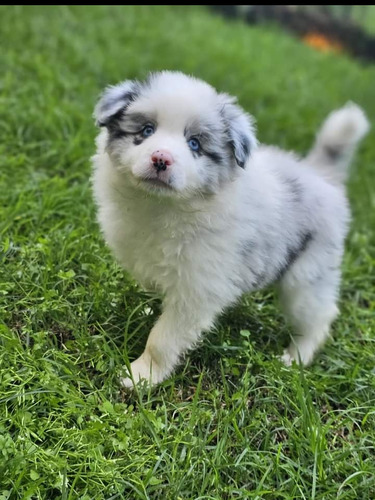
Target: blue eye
<point>194,144</point>
<point>148,130</point>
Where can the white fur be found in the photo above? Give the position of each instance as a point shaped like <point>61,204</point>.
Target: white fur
<point>219,230</point>
<point>340,133</point>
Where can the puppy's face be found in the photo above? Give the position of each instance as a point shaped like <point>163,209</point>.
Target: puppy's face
<point>174,134</point>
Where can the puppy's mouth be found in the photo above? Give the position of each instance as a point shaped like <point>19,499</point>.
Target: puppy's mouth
<point>156,183</point>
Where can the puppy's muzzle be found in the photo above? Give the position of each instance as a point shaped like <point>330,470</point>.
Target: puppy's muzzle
<point>161,159</point>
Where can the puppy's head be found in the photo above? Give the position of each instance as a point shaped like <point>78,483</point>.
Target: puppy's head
<point>174,134</point>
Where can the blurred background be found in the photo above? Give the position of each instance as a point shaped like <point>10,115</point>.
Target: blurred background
<point>347,28</point>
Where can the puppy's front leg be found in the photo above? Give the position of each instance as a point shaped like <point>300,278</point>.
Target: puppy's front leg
<point>176,331</point>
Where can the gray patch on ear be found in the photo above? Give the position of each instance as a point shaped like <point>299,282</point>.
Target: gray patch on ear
<point>240,129</point>
<point>114,100</point>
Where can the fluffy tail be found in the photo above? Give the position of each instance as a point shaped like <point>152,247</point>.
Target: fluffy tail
<point>336,142</point>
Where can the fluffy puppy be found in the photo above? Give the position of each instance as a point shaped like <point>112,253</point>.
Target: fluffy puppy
<point>192,207</point>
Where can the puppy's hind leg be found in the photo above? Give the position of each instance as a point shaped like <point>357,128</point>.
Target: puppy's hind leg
<point>310,306</point>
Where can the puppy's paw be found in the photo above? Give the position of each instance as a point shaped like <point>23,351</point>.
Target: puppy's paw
<point>143,370</point>
<point>293,355</point>
<point>287,358</point>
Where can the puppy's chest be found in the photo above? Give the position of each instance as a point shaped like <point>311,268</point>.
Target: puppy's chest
<point>156,251</point>
<point>164,251</point>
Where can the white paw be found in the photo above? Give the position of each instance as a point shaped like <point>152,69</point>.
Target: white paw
<point>300,356</point>
<point>287,358</point>
<point>143,370</point>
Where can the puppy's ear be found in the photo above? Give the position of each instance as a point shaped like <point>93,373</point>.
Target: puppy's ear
<point>114,100</point>
<point>240,129</point>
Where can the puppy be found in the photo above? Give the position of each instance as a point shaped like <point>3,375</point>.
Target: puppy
<point>193,208</point>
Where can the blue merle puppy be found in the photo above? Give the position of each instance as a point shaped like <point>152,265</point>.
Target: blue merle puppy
<point>194,208</point>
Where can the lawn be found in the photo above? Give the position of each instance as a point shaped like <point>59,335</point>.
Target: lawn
<point>232,422</point>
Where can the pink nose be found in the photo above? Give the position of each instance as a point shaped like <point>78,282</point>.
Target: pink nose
<point>161,159</point>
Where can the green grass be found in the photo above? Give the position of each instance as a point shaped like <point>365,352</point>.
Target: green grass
<point>232,422</point>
